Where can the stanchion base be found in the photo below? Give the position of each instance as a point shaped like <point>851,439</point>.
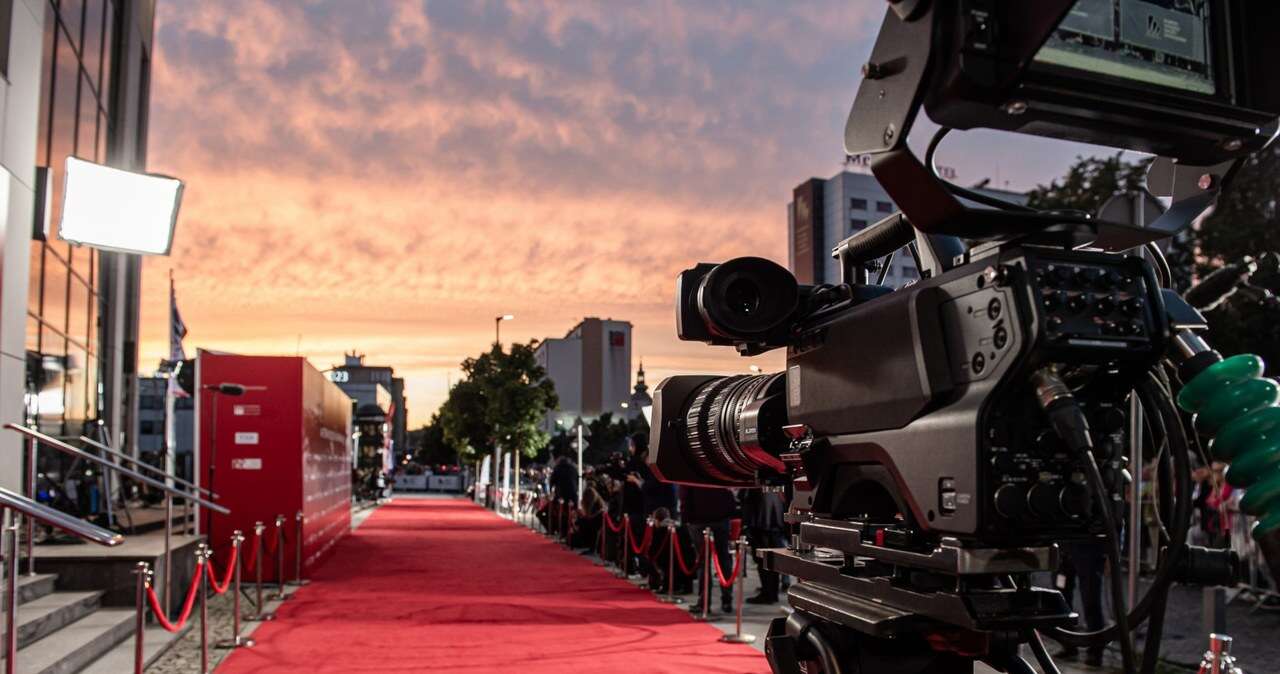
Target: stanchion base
<point>238,642</point>
<point>298,583</point>
<point>670,600</point>
<point>259,617</point>
<point>697,617</point>
<point>279,596</point>
<point>738,639</point>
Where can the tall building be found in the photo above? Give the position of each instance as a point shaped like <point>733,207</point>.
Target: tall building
<point>591,369</point>
<point>379,399</point>
<point>151,426</point>
<point>822,213</point>
<point>75,80</point>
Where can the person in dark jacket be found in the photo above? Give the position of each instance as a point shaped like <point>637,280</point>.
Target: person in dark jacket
<point>564,480</point>
<point>710,508</point>
<point>762,515</point>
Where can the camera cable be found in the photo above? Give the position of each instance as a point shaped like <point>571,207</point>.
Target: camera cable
<point>965,192</point>
<point>1072,427</point>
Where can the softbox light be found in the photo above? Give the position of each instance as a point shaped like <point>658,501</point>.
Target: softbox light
<point>119,210</point>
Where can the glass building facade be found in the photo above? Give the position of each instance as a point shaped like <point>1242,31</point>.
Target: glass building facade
<point>64,296</point>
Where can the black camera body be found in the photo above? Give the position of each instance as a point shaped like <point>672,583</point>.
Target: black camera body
<point>913,408</point>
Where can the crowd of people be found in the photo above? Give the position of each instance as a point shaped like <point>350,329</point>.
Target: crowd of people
<point>624,489</point>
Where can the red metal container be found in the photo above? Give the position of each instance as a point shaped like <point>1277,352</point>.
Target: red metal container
<point>282,447</point>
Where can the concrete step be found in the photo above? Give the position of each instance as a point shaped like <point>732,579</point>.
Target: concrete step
<point>41,617</point>
<point>32,587</point>
<point>155,642</point>
<point>75,646</point>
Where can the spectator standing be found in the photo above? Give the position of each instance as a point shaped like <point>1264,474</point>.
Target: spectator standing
<point>710,508</point>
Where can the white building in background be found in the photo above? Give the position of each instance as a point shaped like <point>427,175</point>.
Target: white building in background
<point>591,369</point>
<point>822,213</point>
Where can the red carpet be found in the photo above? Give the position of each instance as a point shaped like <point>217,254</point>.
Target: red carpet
<point>445,586</point>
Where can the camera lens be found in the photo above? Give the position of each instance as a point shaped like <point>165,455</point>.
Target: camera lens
<point>733,427</point>
<point>742,296</point>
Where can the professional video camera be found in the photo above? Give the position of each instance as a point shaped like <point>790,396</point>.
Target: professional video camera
<point>943,439</point>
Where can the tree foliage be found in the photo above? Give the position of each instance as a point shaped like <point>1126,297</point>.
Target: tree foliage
<point>429,444</point>
<point>502,399</point>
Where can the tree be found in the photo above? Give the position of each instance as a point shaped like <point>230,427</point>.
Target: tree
<point>430,446</point>
<point>501,401</point>
<point>1089,183</point>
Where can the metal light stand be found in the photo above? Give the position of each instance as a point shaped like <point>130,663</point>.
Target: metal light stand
<point>738,637</point>
<point>299,523</point>
<point>262,615</point>
<point>143,571</point>
<point>236,641</point>
<point>706,575</point>
<point>203,553</point>
<point>11,588</point>
<point>279,595</point>
<point>672,542</point>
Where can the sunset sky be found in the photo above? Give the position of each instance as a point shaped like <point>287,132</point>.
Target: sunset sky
<point>389,176</point>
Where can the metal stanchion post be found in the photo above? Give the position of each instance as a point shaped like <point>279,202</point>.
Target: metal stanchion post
<point>261,616</point>
<point>639,579</point>
<point>738,637</point>
<point>10,522</point>
<point>672,542</point>
<point>202,555</point>
<point>624,562</point>
<point>168,552</point>
<point>280,595</point>
<point>236,641</point>
<point>706,574</point>
<point>32,476</point>
<point>600,562</point>
<point>566,532</point>
<point>299,523</point>
<point>143,571</point>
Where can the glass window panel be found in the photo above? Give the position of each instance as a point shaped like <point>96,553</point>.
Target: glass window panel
<point>63,122</point>
<point>33,335</point>
<point>108,31</point>
<point>82,262</point>
<point>54,311</point>
<point>102,139</point>
<point>92,52</point>
<point>50,380</point>
<point>36,282</point>
<point>78,313</point>
<point>46,98</point>
<point>72,14</point>
<point>87,135</point>
<point>77,402</point>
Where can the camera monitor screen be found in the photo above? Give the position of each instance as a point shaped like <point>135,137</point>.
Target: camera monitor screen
<point>1159,42</point>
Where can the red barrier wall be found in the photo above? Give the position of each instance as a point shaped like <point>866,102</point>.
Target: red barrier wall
<point>281,448</point>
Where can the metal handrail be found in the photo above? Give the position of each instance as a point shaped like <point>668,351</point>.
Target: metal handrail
<point>143,464</point>
<point>75,451</point>
<point>68,523</point>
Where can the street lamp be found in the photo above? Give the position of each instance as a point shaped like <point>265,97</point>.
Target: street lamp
<point>497,327</point>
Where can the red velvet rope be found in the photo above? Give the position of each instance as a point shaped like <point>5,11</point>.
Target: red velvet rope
<point>737,566</point>
<point>273,542</point>
<point>615,528</point>
<point>645,541</point>
<point>219,588</point>
<point>684,568</point>
<point>187,603</point>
